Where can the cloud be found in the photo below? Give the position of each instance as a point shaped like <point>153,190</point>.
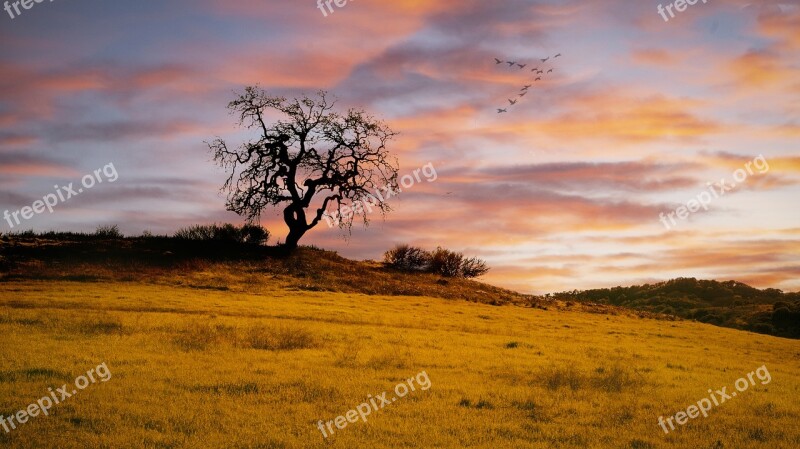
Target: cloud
<point>655,56</point>
<point>20,164</point>
<point>10,139</point>
<point>781,23</point>
<point>123,130</point>
<point>757,69</point>
<point>633,176</point>
<point>619,117</point>
<point>632,118</point>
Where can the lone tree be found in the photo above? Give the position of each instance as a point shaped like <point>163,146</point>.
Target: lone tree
<point>307,159</point>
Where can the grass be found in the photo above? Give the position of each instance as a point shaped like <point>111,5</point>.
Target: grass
<point>225,266</point>
<point>248,349</point>
<point>209,265</point>
<point>247,369</point>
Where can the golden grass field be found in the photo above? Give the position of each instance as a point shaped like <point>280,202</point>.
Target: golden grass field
<point>256,365</point>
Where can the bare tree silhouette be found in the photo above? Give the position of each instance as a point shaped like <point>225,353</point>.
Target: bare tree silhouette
<point>309,159</point>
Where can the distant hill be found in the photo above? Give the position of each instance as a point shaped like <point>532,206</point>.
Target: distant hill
<point>730,303</point>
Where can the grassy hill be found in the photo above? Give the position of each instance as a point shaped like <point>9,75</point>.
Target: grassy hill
<point>163,260</point>
<point>730,304</point>
<point>219,347</point>
<point>176,262</point>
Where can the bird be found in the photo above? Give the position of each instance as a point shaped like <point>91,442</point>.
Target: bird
<point>500,111</point>
<point>497,61</point>
<point>512,102</point>
<point>521,66</point>
<point>523,94</point>
<point>538,78</point>
<point>545,59</point>
<point>527,86</point>
<point>511,63</point>
<point>448,193</point>
<point>549,70</point>
<point>540,71</point>
<point>557,55</point>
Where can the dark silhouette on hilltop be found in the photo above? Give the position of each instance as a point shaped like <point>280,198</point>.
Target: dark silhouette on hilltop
<point>309,160</point>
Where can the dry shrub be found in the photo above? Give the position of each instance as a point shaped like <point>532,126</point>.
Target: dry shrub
<point>610,380</point>
<point>102,326</point>
<point>108,232</point>
<point>279,338</point>
<point>202,335</point>
<point>408,258</point>
<point>198,336</point>
<point>615,379</point>
<point>348,357</point>
<point>442,262</point>
<point>533,409</point>
<point>226,232</point>
<point>473,267</point>
<point>446,263</point>
<point>393,358</point>
<point>555,378</point>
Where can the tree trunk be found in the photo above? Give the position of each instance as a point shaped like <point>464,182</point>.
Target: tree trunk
<point>296,232</point>
<point>296,221</point>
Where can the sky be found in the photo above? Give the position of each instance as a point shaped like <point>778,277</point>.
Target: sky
<point>563,191</point>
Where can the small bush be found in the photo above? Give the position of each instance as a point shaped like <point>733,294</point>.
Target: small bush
<point>348,357</point>
<point>198,336</point>
<point>482,403</point>
<point>108,232</point>
<point>615,379</point>
<point>442,262</point>
<point>106,325</point>
<point>227,232</point>
<point>201,336</point>
<point>196,232</point>
<point>473,267</point>
<point>446,263</point>
<point>640,444</point>
<point>408,258</point>
<point>254,234</point>
<point>556,378</point>
<point>279,339</point>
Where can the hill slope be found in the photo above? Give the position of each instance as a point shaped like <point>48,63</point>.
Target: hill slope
<point>241,267</point>
<point>217,368</point>
<point>247,354</point>
<point>730,304</point>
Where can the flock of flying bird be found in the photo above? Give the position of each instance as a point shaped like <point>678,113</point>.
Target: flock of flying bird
<point>536,72</point>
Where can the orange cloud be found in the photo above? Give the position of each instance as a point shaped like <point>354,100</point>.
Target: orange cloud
<point>655,56</point>
<point>783,26</point>
<point>622,118</point>
<point>757,69</point>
